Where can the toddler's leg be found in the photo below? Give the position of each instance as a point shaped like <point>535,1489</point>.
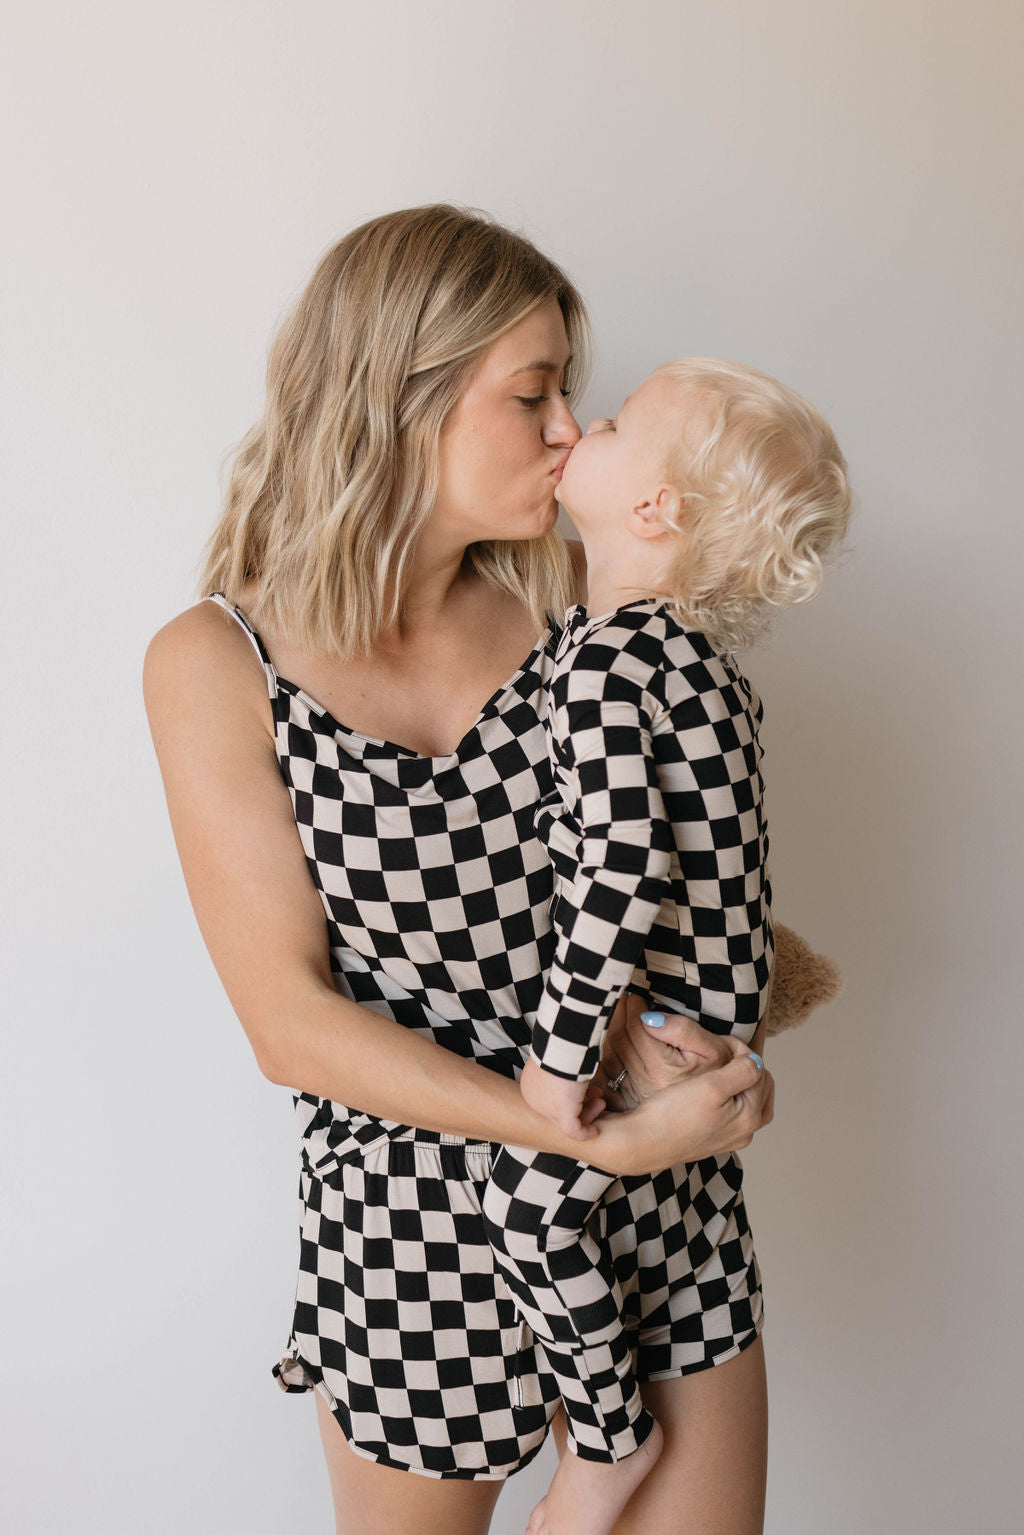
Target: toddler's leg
<point>536,1209</point>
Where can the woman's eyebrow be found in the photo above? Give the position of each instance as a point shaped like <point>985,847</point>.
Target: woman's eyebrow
<point>541,367</point>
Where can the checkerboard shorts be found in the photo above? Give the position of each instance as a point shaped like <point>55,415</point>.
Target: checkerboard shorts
<point>411,1336</point>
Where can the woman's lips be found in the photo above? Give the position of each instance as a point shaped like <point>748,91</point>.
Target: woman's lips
<point>557,470</point>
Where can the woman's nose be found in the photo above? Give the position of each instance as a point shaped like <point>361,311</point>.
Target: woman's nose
<point>562,429</point>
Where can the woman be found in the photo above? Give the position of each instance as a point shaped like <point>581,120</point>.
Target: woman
<point>388,552</point>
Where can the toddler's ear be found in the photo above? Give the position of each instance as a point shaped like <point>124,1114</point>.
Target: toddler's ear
<point>654,518</point>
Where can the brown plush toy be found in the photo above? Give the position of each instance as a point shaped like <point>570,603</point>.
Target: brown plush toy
<point>801,981</point>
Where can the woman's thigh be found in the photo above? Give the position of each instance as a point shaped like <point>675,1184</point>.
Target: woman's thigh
<point>370,1499</point>
<point>712,1474</point>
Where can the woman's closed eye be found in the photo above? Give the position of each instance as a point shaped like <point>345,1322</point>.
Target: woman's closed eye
<point>538,399</point>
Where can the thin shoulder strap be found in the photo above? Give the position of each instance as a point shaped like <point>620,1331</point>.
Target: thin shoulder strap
<point>254,639</point>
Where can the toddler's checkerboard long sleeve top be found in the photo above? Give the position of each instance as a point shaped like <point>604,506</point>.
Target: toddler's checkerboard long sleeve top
<point>656,831</point>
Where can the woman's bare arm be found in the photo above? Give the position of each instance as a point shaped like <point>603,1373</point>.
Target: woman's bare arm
<point>265,928</point>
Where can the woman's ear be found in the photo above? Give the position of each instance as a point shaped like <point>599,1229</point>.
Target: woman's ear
<point>657,517</point>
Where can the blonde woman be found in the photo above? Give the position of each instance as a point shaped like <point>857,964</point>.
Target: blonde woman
<point>350,727</point>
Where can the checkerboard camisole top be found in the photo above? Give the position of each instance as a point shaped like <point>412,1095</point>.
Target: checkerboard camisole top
<point>434,883</point>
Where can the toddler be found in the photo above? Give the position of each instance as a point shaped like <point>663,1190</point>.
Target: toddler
<point>709,501</point>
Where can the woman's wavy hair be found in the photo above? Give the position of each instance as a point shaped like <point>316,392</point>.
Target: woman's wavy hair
<point>765,500</point>
<point>327,493</point>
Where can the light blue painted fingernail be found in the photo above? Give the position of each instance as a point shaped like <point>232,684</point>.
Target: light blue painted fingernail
<point>653,1020</point>
<point>757,1060</point>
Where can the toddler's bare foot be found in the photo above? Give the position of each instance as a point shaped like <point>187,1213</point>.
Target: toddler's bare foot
<point>586,1497</point>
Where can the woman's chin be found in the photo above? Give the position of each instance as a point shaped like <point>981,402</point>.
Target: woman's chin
<point>523,532</point>
<point>548,518</point>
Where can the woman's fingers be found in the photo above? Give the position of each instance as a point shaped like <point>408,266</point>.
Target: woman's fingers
<point>768,1107</point>
<point>707,1114</point>
<point>659,1055</point>
<point>694,1093</point>
<point>653,1060</point>
<point>747,1096</point>
<point>741,1074</point>
<point>681,1033</point>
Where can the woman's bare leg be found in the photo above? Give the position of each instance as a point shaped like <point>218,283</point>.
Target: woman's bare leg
<point>712,1474</point>
<point>374,1500</point>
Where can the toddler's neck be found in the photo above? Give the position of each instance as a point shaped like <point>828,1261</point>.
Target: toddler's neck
<point>617,576</point>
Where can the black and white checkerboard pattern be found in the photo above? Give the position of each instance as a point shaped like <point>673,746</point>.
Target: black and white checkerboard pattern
<point>435,887</point>
<point>436,893</point>
<point>409,1332</point>
<point>656,829</point>
<point>401,1320</point>
<point>536,1213</point>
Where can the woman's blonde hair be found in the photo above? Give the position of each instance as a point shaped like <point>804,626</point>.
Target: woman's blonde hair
<point>328,492</point>
<point>764,499</point>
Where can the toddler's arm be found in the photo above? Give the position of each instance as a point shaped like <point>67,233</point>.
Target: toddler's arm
<point>621,878</point>
<point>572,1106</point>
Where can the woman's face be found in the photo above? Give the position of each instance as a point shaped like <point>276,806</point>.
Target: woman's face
<point>503,446</point>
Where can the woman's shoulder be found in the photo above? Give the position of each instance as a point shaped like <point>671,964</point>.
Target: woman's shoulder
<point>202,634</point>
<point>201,663</point>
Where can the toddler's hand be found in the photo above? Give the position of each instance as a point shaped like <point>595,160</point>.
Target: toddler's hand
<point>572,1106</point>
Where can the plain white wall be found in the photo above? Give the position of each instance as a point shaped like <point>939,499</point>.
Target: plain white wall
<point>829,192</point>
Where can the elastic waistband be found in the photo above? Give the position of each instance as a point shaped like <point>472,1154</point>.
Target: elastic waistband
<point>436,1138</point>
<point>422,1154</point>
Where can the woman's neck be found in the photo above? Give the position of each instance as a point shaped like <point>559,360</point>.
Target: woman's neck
<point>439,579</point>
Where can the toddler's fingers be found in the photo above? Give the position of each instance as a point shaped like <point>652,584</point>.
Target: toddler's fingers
<point>580,1131</point>
<point>591,1109</point>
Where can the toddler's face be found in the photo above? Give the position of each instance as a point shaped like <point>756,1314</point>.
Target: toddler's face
<point>620,464</point>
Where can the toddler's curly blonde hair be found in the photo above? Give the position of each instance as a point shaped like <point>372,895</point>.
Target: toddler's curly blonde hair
<point>764,500</point>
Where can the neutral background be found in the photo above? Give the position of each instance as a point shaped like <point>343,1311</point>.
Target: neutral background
<point>831,192</point>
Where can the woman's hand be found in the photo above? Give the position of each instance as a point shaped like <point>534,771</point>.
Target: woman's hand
<point>691,1094</point>
<point>708,1113</point>
<point>656,1058</point>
